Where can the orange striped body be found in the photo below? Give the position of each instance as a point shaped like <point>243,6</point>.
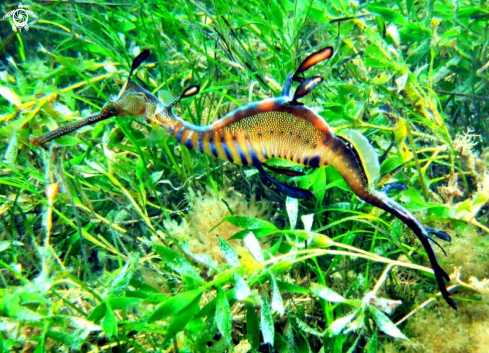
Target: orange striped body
<point>273,128</point>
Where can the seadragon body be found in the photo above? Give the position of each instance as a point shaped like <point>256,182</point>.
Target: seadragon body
<point>279,127</point>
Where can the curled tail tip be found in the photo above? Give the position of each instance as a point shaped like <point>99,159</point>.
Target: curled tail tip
<point>450,301</point>
<point>439,272</point>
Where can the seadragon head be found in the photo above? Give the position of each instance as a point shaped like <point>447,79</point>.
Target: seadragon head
<point>133,100</point>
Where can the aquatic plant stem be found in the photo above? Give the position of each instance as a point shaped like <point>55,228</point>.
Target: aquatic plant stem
<point>424,188</point>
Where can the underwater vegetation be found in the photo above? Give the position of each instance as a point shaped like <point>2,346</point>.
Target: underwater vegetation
<point>119,237</point>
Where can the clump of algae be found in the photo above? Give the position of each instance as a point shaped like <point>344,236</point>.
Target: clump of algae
<point>206,210</point>
<point>446,330</point>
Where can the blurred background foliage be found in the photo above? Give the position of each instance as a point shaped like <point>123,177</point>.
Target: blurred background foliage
<point>117,238</point>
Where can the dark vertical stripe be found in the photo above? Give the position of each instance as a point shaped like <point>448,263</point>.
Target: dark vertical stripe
<point>314,162</point>
<point>226,150</point>
<point>179,134</point>
<point>189,142</point>
<point>306,160</point>
<point>200,142</point>
<point>242,156</point>
<point>212,146</point>
<point>254,158</point>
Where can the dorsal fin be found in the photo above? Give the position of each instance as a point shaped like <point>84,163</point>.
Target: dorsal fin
<point>366,153</point>
<point>138,60</point>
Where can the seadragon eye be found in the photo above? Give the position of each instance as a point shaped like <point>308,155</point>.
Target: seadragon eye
<point>109,109</point>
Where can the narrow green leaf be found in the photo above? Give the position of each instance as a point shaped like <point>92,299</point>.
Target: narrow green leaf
<point>308,221</point>
<point>401,82</point>
<point>12,150</point>
<point>98,313</point>
<point>358,323</point>
<point>120,283</point>
<point>156,176</point>
<point>389,164</point>
<point>6,244</point>
<point>388,14</point>
<point>109,324</point>
<point>123,302</point>
<point>179,321</point>
<point>71,341</point>
<point>252,327</point>
<point>253,246</point>
<point>249,222</point>
<point>242,289</point>
<point>266,322</point>
<point>177,262</point>
<point>305,328</point>
<point>223,315</point>
<point>277,302</point>
<point>326,293</point>
<point>373,343</point>
<point>292,206</point>
<point>288,287</point>
<point>339,324</point>
<point>31,298</point>
<point>174,305</point>
<point>228,252</point>
<point>384,323</point>
<point>290,339</point>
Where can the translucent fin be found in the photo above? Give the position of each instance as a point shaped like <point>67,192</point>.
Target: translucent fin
<point>394,186</point>
<point>289,190</point>
<point>366,152</point>
<point>283,171</point>
<point>287,86</point>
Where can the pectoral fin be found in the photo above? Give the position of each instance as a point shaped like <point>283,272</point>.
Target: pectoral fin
<point>394,186</point>
<point>289,190</point>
